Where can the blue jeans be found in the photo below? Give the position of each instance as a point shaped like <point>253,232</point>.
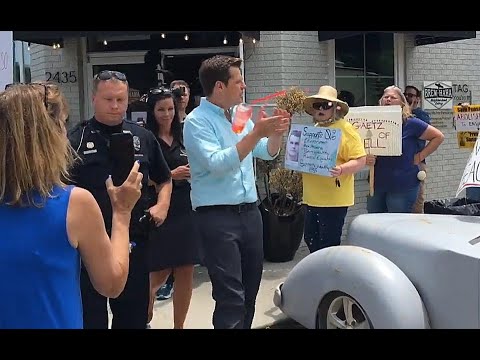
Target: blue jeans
<point>392,202</point>
<point>323,226</point>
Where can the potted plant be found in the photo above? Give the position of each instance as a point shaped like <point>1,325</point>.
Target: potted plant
<point>282,210</point>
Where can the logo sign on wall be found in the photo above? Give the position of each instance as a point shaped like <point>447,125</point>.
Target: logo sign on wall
<point>437,95</point>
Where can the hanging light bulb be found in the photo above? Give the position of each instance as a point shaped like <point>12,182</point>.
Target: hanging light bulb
<point>186,37</point>
<point>225,40</point>
<point>58,46</point>
<point>240,41</point>
<point>105,42</point>
<point>54,46</point>
<point>254,41</point>
<point>163,36</point>
<point>28,46</point>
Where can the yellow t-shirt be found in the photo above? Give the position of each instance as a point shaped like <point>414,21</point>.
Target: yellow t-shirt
<point>322,191</point>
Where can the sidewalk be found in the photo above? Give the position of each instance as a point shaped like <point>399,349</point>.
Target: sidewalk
<point>202,304</point>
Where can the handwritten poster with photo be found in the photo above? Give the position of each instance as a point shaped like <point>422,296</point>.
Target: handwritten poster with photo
<point>312,149</point>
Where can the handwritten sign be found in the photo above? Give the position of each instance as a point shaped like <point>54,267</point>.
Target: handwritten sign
<point>6,58</point>
<point>466,139</point>
<point>312,149</point>
<point>466,118</point>
<point>380,127</point>
<point>471,174</point>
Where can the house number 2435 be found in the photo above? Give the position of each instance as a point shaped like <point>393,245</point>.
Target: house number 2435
<point>62,77</point>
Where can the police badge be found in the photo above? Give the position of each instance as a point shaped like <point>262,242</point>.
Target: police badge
<point>136,143</point>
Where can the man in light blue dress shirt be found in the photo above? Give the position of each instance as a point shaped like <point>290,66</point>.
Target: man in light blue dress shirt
<point>223,191</point>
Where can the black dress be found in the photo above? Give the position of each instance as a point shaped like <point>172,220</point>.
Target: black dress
<point>175,242</point>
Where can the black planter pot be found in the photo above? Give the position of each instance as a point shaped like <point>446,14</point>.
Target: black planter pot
<point>281,234</point>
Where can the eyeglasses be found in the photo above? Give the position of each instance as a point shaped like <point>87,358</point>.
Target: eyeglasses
<point>160,91</point>
<point>408,95</point>
<point>325,105</point>
<point>45,88</point>
<point>156,91</point>
<point>109,74</point>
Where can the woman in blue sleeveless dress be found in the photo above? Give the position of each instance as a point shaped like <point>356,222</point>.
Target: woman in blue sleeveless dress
<point>47,226</point>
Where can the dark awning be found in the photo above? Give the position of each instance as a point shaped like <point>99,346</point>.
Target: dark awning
<point>421,37</point>
<point>51,37</point>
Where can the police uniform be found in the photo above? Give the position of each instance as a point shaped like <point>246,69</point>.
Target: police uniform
<point>91,140</point>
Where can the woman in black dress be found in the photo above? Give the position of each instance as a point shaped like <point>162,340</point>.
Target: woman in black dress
<point>172,246</point>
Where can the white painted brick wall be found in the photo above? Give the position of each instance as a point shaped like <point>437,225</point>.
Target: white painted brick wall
<point>455,61</point>
<point>45,58</point>
<point>282,59</point>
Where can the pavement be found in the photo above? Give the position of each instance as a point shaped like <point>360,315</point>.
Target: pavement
<point>267,315</point>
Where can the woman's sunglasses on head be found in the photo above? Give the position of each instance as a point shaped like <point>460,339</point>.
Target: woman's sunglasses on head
<point>45,88</point>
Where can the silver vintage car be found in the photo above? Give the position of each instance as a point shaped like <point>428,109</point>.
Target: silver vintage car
<point>393,271</point>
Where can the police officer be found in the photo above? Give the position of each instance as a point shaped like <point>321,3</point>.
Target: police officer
<point>91,139</point>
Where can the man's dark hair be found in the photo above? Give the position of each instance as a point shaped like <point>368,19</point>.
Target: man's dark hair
<point>216,68</point>
<point>348,97</point>
<point>419,93</point>
<point>179,82</point>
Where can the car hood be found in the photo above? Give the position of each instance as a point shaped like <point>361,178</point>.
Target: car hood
<point>459,234</point>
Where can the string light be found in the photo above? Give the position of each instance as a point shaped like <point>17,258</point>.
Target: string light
<point>105,42</point>
<point>186,37</point>
<point>254,41</point>
<point>240,41</point>
<point>54,46</point>
<point>163,36</point>
<point>28,46</point>
<point>225,40</point>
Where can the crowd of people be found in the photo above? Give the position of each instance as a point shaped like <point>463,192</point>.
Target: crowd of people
<point>74,243</point>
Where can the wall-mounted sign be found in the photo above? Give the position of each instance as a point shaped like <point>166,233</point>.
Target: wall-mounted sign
<point>461,94</point>
<point>437,95</point>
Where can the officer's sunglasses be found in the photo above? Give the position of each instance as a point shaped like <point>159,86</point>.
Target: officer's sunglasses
<point>45,88</point>
<point>325,105</point>
<point>110,74</point>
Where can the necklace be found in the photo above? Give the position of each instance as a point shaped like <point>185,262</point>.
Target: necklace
<point>324,123</point>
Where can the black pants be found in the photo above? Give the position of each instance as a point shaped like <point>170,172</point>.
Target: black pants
<point>232,244</point>
<point>323,226</point>
<point>130,309</point>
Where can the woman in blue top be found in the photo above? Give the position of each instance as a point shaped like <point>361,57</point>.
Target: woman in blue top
<point>396,181</point>
<point>47,228</point>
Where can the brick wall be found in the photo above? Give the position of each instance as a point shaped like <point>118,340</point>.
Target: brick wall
<point>455,61</point>
<point>46,59</point>
<point>282,59</point>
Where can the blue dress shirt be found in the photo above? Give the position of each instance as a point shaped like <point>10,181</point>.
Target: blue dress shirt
<point>218,177</point>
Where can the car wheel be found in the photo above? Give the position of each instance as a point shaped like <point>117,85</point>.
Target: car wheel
<point>341,311</point>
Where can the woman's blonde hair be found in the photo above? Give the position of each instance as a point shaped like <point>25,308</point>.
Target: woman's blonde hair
<point>406,111</point>
<point>35,154</point>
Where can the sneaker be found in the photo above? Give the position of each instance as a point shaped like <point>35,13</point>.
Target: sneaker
<point>165,292</point>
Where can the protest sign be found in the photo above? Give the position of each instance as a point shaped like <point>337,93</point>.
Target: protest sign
<point>471,174</point>
<point>312,149</point>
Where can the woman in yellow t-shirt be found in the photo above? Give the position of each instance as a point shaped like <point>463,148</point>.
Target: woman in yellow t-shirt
<point>328,198</point>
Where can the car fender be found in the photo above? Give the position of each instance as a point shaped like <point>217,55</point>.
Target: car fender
<point>388,297</point>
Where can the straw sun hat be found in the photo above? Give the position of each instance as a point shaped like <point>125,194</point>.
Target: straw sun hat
<point>328,93</point>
